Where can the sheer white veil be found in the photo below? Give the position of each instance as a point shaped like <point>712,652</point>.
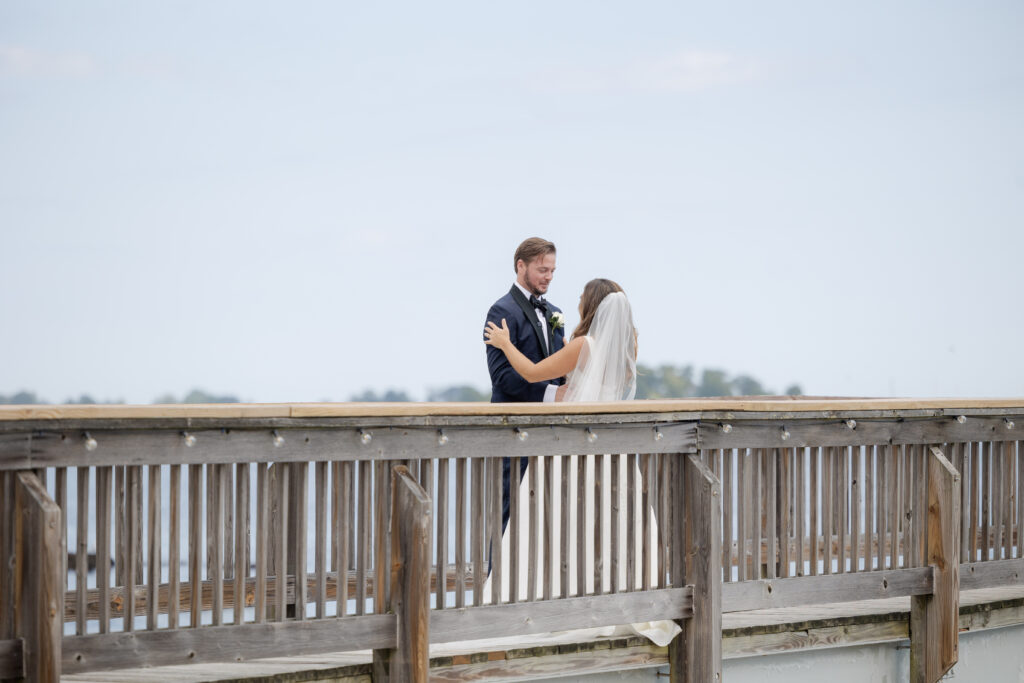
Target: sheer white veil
<point>606,369</point>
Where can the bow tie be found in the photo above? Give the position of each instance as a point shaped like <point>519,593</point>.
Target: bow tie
<point>539,302</point>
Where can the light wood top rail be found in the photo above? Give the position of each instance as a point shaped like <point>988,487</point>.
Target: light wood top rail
<point>761,404</point>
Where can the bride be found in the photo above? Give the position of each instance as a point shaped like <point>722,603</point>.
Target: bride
<point>599,364</point>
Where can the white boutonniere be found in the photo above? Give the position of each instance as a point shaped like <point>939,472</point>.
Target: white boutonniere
<point>556,320</point>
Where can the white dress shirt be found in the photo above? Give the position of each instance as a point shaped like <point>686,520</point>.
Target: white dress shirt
<point>549,392</point>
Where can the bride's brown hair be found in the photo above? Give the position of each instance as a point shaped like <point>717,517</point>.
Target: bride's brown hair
<point>593,294</point>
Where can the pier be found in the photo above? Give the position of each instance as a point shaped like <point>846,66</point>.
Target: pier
<point>363,541</point>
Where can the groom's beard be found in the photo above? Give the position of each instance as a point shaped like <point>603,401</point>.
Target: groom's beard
<point>537,287</point>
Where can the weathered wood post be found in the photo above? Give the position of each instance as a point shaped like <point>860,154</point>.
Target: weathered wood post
<point>696,653</point>
<point>38,583</point>
<point>934,619</point>
<point>410,583</point>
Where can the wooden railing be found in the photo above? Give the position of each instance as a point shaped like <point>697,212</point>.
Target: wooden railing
<point>223,533</point>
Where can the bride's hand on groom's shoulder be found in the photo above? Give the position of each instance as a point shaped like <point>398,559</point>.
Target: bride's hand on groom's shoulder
<point>497,336</point>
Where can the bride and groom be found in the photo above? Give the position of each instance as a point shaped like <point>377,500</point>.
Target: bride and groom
<point>529,360</point>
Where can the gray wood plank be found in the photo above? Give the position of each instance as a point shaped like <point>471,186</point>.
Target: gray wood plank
<point>225,643</point>
<point>805,431</point>
<point>823,590</point>
<point>976,575</point>
<point>540,617</point>
<point>217,445</point>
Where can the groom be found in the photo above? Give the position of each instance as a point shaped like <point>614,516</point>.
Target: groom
<point>534,330</point>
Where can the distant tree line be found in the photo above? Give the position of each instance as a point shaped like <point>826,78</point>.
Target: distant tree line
<point>194,396</point>
<point>664,381</point>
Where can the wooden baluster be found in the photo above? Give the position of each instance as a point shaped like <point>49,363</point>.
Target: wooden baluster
<point>785,456</point>
<point>757,487</point>
<point>962,463</point>
<point>341,507</point>
<point>364,534</point>
<point>132,533</point>
<point>631,539</point>
<point>81,549</point>
<point>242,531</point>
<point>478,517</point>
<point>103,493</point>
<point>800,491</point>
<point>882,501</point>
<point>771,460</point>
<point>442,532</point>
<point>533,533</point>
<point>547,590</point>
<point>263,522</point>
<point>1008,497</point>
<point>460,532</point>
<point>599,487</point>
<point>495,558</point>
<point>816,516</point>
<point>856,489</point>
<point>195,540</point>
<point>320,547</point>
<point>614,522</point>
<point>227,491</point>
<point>174,549</point>
<point>513,534</point>
<point>215,545</point>
<point>827,505</point>
<point>155,546</point>
<point>581,520</point>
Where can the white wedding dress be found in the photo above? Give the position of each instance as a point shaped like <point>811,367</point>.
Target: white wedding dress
<point>606,371</point>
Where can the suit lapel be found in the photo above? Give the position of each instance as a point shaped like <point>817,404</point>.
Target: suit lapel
<point>531,318</point>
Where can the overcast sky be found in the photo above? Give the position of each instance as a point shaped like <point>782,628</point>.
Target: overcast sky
<point>298,201</point>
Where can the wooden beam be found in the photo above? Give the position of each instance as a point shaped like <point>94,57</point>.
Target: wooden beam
<point>410,577</point>
<point>12,658</point>
<point>230,643</point>
<point>934,618</point>
<point>270,410</point>
<point>525,618</point>
<point>39,584</point>
<point>993,573</point>
<point>224,446</point>
<point>696,653</point>
<point>815,590</point>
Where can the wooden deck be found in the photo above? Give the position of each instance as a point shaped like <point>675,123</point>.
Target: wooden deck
<point>744,634</point>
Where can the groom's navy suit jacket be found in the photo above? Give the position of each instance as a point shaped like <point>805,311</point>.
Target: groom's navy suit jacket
<point>507,386</point>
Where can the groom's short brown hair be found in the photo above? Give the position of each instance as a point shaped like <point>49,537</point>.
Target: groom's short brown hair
<point>530,249</point>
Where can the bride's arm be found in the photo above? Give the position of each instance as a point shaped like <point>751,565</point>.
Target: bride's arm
<point>556,365</point>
